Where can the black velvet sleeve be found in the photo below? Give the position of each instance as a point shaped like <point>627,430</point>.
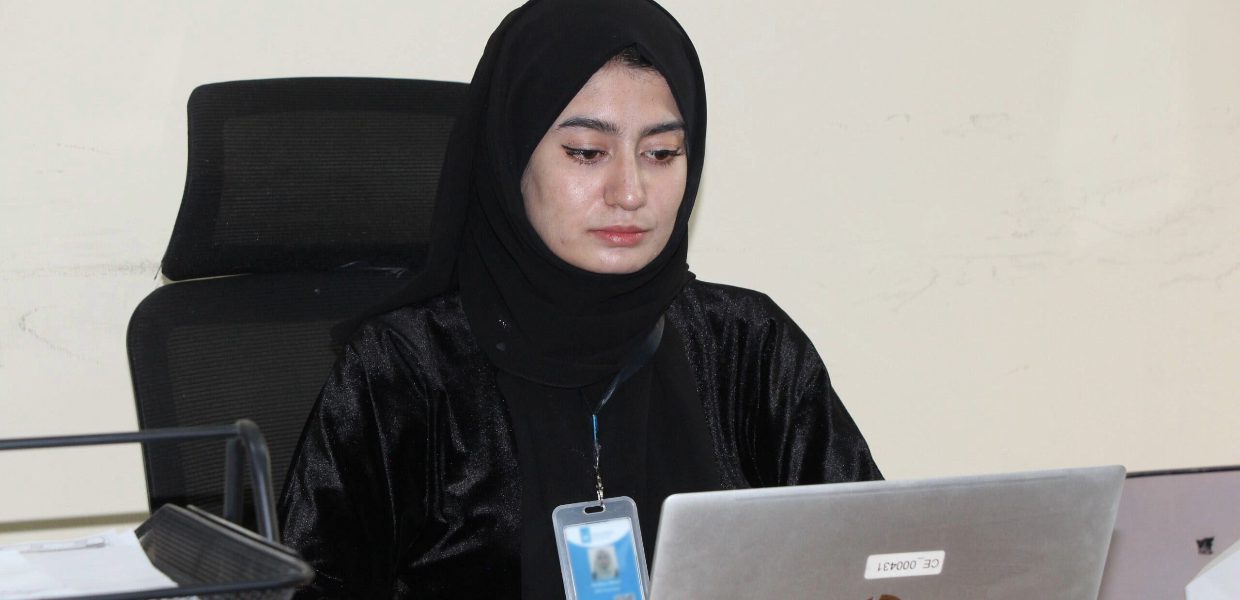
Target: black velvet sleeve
<point>803,433</point>
<point>776,418</point>
<point>404,484</point>
<point>336,508</point>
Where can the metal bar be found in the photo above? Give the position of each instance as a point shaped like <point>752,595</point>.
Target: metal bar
<point>244,438</point>
<point>198,590</point>
<point>128,437</point>
<point>1187,471</point>
<point>234,472</point>
<point>260,472</point>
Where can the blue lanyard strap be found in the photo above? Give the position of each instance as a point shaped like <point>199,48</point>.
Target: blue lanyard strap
<point>635,361</point>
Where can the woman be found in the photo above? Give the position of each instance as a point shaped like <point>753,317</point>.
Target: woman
<point>461,416</point>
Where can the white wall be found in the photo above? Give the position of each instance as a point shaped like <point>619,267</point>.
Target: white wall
<point>1010,228</point>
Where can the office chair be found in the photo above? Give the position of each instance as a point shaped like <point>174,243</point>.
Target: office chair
<point>306,201</point>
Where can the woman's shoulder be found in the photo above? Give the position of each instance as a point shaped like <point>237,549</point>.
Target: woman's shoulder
<point>716,301</point>
<point>433,327</point>
<point>724,319</point>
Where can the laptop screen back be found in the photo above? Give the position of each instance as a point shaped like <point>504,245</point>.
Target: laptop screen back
<point>1014,536</point>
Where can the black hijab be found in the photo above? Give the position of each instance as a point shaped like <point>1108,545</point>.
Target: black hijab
<point>536,316</point>
<point>557,333</point>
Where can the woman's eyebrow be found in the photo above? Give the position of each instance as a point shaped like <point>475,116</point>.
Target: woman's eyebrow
<point>663,127</point>
<point>610,128</point>
<point>590,123</point>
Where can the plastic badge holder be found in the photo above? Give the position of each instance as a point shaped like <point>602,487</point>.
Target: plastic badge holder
<point>601,551</point>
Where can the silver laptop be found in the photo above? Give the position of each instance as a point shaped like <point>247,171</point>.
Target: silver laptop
<point>1170,525</point>
<point>1020,536</point>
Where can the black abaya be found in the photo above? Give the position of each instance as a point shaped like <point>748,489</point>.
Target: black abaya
<point>458,418</point>
<point>410,477</point>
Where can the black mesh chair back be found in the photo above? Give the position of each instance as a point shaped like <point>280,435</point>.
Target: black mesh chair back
<point>306,201</point>
<point>310,174</point>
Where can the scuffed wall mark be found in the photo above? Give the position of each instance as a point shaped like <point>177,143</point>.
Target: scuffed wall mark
<point>23,324</point>
<point>1109,261</point>
<point>1183,280</point>
<point>1100,196</point>
<point>1119,208</point>
<point>914,294</point>
<point>1104,226</point>
<point>985,124</point>
<point>1232,270</point>
<point>1223,186</point>
<point>1188,215</point>
<point>905,117</point>
<point>1217,280</point>
<point>120,269</point>
<point>1192,255</point>
<point>1026,255</point>
<point>902,298</point>
<point>976,267</point>
<point>989,121</point>
<point>83,148</point>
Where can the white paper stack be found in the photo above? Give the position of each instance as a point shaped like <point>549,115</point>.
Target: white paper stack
<point>108,562</point>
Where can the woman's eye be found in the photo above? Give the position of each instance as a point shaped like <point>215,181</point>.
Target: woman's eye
<point>584,155</point>
<point>665,155</point>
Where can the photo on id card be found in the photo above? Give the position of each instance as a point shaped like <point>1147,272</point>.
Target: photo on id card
<point>600,556</point>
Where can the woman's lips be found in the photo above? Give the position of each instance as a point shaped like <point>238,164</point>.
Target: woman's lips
<point>620,235</point>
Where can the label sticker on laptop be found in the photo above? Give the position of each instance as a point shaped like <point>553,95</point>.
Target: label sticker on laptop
<point>904,564</point>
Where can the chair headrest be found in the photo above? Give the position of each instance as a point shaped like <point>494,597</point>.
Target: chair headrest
<point>308,174</point>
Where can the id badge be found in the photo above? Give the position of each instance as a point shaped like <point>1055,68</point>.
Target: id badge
<point>601,552</point>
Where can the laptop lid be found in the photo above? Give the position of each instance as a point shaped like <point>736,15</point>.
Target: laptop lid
<point>1015,536</point>
<point>1170,525</point>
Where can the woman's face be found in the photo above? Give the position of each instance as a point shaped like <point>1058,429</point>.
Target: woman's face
<point>603,187</point>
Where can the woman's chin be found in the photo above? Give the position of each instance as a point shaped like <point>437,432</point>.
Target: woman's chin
<point>614,261</point>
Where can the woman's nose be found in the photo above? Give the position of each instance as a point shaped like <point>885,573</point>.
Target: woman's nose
<point>625,188</point>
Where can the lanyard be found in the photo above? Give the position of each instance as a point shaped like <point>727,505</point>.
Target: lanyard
<point>633,363</point>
